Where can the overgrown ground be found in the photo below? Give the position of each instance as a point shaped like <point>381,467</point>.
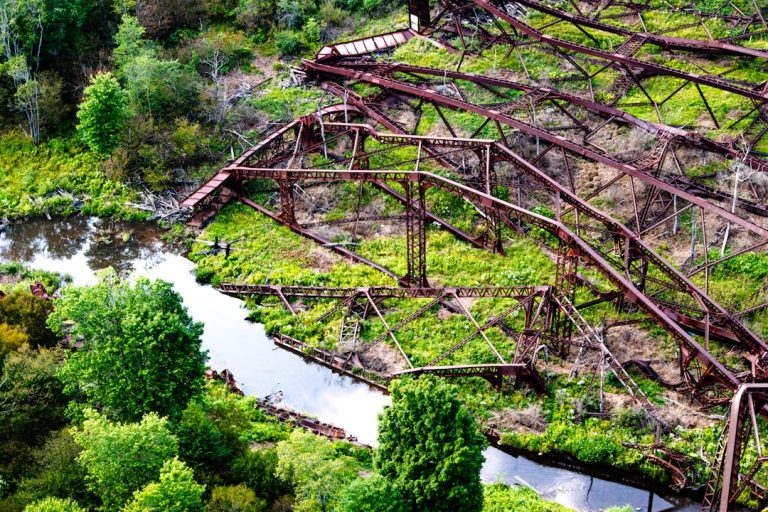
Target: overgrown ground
<point>61,176</point>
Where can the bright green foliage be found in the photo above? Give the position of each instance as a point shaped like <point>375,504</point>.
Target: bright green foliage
<point>372,494</point>
<point>315,469</point>
<point>160,89</point>
<point>234,498</point>
<point>11,339</point>
<point>130,41</point>
<point>35,180</point>
<point>32,401</point>
<point>256,469</point>
<point>121,458</point>
<point>142,349</point>
<point>213,430</point>
<point>54,505</point>
<point>176,491</point>
<point>102,113</point>
<point>430,447</point>
<point>502,498</point>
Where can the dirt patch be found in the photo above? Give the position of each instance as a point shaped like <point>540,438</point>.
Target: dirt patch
<point>383,359</point>
<point>322,260</point>
<point>525,421</point>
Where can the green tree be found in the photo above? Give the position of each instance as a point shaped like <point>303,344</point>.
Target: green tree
<point>141,348</point>
<point>161,89</point>
<point>55,472</point>
<point>121,458</point>
<point>11,339</point>
<point>210,431</point>
<point>257,469</point>
<point>373,494</point>
<point>234,498</point>
<point>176,491</point>
<point>130,41</point>
<point>430,447</point>
<point>102,113</point>
<point>315,469</point>
<point>32,400</point>
<point>54,505</point>
<point>27,313</point>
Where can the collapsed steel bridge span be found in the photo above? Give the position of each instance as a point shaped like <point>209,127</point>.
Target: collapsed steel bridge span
<point>479,170</point>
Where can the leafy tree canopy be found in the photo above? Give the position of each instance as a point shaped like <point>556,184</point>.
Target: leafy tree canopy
<point>316,470</point>
<point>121,458</point>
<point>430,447</point>
<point>54,505</point>
<point>32,401</point>
<point>235,498</point>
<point>141,348</point>
<point>372,494</point>
<point>102,113</point>
<point>176,491</point>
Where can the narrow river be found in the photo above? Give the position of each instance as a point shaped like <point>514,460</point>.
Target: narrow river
<point>81,246</point>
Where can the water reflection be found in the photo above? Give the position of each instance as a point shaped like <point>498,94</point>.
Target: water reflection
<point>81,246</point>
<point>261,368</point>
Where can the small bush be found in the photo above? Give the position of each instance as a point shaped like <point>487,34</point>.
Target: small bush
<point>288,43</point>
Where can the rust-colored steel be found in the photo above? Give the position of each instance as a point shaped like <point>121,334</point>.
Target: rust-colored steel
<point>663,41</point>
<point>691,349</point>
<point>381,292</point>
<point>752,91</point>
<point>727,480</point>
<point>628,239</point>
<point>579,149</point>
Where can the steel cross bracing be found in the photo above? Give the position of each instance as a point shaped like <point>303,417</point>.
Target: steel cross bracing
<point>710,315</point>
<point>744,17</point>
<point>645,224</point>
<point>740,455</point>
<point>700,369</point>
<point>359,303</point>
<point>556,140</point>
<point>668,42</point>
<point>632,71</point>
<point>639,214</point>
<point>750,91</point>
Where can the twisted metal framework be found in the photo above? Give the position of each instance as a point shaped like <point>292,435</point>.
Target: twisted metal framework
<point>744,18</point>
<point>367,304</point>
<point>641,277</point>
<point>740,447</point>
<point>587,233</point>
<point>629,66</point>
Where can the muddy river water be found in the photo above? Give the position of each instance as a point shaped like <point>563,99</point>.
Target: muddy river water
<point>81,246</point>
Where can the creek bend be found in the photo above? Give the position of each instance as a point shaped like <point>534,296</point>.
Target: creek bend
<point>81,246</point>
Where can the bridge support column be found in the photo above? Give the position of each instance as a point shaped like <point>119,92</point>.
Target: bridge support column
<point>416,236</point>
<point>567,263</point>
<point>418,13</point>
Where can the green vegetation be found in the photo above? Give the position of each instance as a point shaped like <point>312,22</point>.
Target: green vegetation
<point>430,447</point>
<point>56,178</point>
<point>219,453</point>
<point>102,113</point>
<point>115,319</point>
<point>105,103</point>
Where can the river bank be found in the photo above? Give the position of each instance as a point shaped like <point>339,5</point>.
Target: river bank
<point>81,246</point>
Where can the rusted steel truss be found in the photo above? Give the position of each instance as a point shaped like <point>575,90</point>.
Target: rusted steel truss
<point>744,17</point>
<point>624,261</point>
<point>740,453</point>
<point>366,305</point>
<point>630,69</point>
<point>644,170</point>
<point>708,46</point>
